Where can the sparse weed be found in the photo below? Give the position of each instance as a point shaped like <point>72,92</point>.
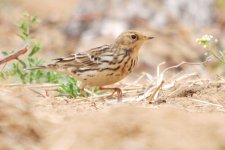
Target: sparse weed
<point>70,88</point>
<point>211,45</point>
<point>68,85</point>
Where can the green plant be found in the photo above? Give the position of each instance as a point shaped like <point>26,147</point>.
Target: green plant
<point>69,88</point>
<point>17,69</point>
<point>211,45</point>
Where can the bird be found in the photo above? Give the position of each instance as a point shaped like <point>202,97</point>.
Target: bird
<point>104,65</point>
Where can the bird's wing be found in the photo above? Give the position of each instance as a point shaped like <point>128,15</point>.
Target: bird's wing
<point>89,58</point>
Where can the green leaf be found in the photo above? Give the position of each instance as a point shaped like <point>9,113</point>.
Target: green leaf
<point>22,36</point>
<point>34,19</point>
<point>2,75</point>
<point>35,49</point>
<point>38,74</point>
<point>5,53</point>
<point>31,76</point>
<point>22,62</point>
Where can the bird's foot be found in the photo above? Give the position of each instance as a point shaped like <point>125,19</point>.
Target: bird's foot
<point>115,90</point>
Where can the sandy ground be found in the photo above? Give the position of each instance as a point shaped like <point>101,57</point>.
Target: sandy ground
<point>191,118</point>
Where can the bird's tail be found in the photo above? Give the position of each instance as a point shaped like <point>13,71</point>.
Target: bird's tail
<point>36,68</point>
<point>48,67</point>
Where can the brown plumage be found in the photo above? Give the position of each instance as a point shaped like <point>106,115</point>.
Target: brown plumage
<point>103,65</point>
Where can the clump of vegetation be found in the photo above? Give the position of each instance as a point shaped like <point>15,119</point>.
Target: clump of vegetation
<point>211,45</point>
<point>17,69</point>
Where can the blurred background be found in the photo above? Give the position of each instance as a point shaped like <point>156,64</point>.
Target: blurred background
<point>78,25</point>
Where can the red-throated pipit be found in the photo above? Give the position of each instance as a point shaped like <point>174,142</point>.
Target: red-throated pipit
<point>103,65</point>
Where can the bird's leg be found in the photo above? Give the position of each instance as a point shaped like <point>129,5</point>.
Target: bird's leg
<point>82,91</point>
<point>117,90</point>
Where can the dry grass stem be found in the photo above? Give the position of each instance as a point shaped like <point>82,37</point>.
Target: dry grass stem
<point>13,55</point>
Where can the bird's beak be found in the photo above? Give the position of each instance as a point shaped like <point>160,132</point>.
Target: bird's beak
<point>148,37</point>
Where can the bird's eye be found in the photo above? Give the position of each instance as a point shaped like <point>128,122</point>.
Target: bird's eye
<point>134,37</point>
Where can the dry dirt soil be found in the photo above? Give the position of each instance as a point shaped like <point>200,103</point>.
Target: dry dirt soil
<point>186,118</point>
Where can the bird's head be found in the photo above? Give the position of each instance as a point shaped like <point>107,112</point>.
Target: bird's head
<point>132,39</point>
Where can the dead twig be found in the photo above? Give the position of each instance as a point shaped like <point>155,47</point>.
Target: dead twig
<point>13,55</point>
<point>154,95</point>
<point>41,86</point>
<point>206,102</point>
<point>37,93</point>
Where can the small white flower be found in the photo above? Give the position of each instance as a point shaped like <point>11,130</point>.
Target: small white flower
<point>197,40</point>
<point>206,37</point>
